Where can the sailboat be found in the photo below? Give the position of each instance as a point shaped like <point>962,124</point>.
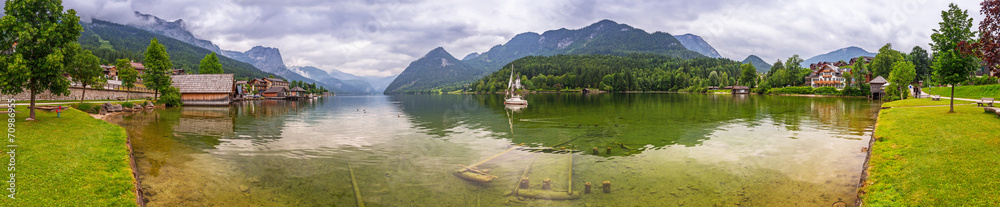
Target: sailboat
<point>512,97</point>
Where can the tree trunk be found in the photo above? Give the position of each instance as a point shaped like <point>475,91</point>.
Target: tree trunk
<point>31,110</point>
<point>127,91</point>
<point>83,95</point>
<point>952,109</point>
<point>156,94</point>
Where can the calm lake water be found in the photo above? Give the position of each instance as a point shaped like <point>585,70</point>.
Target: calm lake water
<point>666,150</point>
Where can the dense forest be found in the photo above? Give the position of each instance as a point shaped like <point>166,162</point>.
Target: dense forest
<point>111,41</point>
<point>635,72</point>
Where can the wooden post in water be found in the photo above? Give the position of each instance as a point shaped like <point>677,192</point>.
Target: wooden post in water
<point>354,182</point>
<point>522,182</point>
<point>570,183</point>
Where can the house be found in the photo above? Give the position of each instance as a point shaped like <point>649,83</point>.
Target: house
<point>741,90</point>
<point>713,88</point>
<point>877,85</point>
<point>110,72</point>
<point>275,93</point>
<point>258,85</point>
<point>138,67</point>
<point>296,92</point>
<point>867,59</point>
<point>206,89</point>
<point>827,75</point>
<point>272,82</point>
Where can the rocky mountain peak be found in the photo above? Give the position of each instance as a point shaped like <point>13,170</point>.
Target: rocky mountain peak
<point>176,29</point>
<point>267,59</point>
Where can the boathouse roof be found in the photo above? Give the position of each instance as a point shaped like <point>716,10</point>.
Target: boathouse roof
<point>878,80</point>
<point>204,83</point>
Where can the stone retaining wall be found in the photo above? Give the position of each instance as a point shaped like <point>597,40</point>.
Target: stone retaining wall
<point>92,94</point>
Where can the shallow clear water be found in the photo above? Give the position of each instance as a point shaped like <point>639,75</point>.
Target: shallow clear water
<point>667,150</point>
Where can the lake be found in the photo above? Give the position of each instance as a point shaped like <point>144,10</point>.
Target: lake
<point>666,150</point>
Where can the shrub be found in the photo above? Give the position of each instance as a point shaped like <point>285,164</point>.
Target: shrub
<point>985,80</point>
<point>861,90</point>
<point>170,97</point>
<point>127,104</point>
<point>792,90</point>
<point>762,89</point>
<point>825,91</point>
<point>892,93</point>
<point>87,107</point>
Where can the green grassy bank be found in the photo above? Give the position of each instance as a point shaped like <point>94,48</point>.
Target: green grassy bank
<point>73,160</point>
<point>973,92</point>
<point>925,156</point>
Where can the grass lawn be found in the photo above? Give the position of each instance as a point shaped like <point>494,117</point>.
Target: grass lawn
<point>74,160</point>
<point>923,102</point>
<point>973,92</point>
<point>926,156</point>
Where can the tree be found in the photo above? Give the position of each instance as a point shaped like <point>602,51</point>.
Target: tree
<point>883,62</point>
<point>777,76</point>
<point>918,56</point>
<point>902,74</point>
<point>796,74</point>
<point>127,74</point>
<point>952,66</point>
<point>171,97</point>
<point>989,39</point>
<point>33,34</point>
<point>210,65</point>
<point>860,69</point>
<point>747,75</point>
<point>157,64</point>
<point>85,68</point>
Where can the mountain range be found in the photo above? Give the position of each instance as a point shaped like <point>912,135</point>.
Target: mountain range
<point>439,70</point>
<point>265,59</point>
<point>844,54</point>
<point>111,41</point>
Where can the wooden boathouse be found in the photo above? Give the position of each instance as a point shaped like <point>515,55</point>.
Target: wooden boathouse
<point>206,89</point>
<point>275,93</point>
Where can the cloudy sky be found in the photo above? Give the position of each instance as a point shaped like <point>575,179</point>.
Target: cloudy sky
<point>380,38</point>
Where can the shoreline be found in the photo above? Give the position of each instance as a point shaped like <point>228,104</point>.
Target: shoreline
<point>868,156</point>
<point>139,199</point>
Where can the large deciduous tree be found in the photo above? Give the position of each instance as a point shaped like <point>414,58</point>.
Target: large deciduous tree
<point>33,35</point>
<point>210,65</point>
<point>859,71</point>
<point>85,68</point>
<point>796,73</point>
<point>127,74</point>
<point>989,35</point>
<point>883,63</point>
<point>922,63</point>
<point>747,75</point>
<point>902,74</point>
<point>952,66</point>
<point>157,65</point>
